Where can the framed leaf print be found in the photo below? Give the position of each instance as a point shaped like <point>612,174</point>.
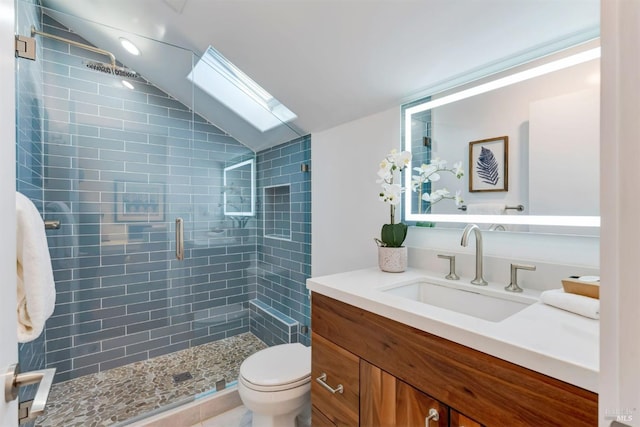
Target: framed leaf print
<point>489,164</point>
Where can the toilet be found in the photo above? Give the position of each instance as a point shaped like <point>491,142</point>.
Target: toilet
<point>275,384</point>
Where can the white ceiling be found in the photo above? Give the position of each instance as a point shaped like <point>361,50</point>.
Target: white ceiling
<point>330,61</point>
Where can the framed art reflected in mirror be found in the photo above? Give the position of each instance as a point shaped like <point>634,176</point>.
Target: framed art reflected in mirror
<point>489,164</point>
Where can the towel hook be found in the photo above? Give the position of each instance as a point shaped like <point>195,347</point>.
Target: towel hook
<point>51,224</point>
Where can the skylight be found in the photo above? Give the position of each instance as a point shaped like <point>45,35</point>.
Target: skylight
<point>225,82</point>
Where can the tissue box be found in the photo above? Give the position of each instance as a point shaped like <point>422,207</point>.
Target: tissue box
<point>585,288</point>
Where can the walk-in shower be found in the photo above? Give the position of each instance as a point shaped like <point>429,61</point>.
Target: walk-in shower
<point>116,160</point>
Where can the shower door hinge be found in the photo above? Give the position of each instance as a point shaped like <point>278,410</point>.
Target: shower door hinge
<point>24,408</point>
<point>26,47</point>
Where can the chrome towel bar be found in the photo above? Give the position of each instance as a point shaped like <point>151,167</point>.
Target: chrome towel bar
<point>518,208</point>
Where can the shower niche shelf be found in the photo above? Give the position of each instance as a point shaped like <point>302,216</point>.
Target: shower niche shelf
<point>277,212</point>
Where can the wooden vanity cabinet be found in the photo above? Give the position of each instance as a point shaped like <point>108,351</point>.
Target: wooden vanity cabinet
<point>403,372</point>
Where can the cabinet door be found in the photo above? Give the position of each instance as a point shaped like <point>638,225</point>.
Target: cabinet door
<point>414,407</point>
<point>387,401</point>
<point>459,420</point>
<point>377,396</point>
<point>318,419</point>
<point>332,367</point>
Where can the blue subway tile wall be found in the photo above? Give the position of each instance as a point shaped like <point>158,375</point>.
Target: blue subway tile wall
<point>272,326</point>
<point>285,264</point>
<point>118,167</point>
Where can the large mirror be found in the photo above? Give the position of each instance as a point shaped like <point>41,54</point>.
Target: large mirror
<point>239,189</point>
<point>527,143</point>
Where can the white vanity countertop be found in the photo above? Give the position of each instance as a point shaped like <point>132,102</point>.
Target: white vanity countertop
<point>545,339</point>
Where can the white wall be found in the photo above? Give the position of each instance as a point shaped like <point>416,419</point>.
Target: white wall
<point>346,213</point>
<point>620,205</point>
<point>565,137</point>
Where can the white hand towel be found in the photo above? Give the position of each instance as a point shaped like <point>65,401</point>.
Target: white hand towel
<point>35,285</point>
<point>488,209</point>
<point>579,304</point>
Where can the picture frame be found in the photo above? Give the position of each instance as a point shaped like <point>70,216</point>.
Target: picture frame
<point>139,202</point>
<point>489,164</point>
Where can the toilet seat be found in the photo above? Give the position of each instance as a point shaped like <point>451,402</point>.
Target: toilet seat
<point>277,368</point>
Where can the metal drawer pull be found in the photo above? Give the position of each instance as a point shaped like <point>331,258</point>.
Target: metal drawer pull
<point>433,415</point>
<point>322,378</point>
<point>14,380</point>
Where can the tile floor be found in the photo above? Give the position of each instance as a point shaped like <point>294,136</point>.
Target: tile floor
<point>237,417</point>
<point>119,394</point>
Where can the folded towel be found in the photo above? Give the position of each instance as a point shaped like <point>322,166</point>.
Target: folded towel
<point>35,285</point>
<point>488,209</point>
<point>584,306</point>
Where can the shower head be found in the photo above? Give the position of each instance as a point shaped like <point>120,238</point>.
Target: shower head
<point>111,69</point>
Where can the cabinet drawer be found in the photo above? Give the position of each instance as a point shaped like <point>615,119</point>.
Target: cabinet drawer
<point>335,366</point>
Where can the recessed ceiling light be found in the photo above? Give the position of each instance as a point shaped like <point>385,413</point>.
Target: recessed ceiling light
<point>127,85</point>
<point>129,46</point>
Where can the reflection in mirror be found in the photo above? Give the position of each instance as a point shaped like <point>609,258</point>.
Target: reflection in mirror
<point>239,189</point>
<point>538,129</point>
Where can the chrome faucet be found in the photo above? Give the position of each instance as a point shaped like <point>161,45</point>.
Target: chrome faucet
<point>479,280</point>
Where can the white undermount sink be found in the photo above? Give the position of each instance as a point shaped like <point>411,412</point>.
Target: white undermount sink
<point>483,303</point>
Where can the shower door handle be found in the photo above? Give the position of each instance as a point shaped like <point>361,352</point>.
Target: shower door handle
<point>14,379</point>
<point>179,239</point>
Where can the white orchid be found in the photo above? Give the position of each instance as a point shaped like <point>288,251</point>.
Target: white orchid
<point>436,196</point>
<point>391,194</point>
<point>402,159</point>
<point>439,164</point>
<point>458,198</point>
<point>384,175</point>
<point>457,170</point>
<point>428,173</point>
<point>394,163</point>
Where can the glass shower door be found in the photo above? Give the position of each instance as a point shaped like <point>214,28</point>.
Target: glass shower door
<point>116,159</point>
<point>126,155</point>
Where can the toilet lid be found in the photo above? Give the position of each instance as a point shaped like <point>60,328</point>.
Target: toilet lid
<point>278,365</point>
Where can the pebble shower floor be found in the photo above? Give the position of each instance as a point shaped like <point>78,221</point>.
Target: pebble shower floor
<point>122,393</point>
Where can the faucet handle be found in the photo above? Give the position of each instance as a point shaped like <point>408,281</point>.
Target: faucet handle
<point>513,286</point>
<point>452,267</point>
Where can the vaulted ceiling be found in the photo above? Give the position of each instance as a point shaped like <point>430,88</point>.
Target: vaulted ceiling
<point>330,61</point>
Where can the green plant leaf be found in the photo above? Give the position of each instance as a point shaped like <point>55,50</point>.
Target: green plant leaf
<point>393,235</point>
